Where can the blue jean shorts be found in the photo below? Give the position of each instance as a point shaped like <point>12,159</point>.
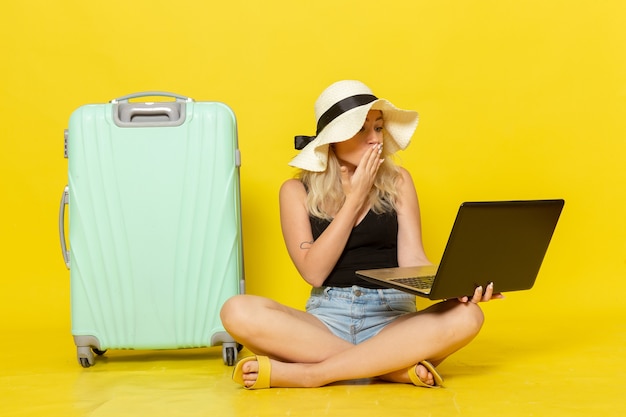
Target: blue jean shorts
<point>356,314</point>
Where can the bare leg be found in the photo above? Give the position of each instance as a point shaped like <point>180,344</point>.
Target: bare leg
<point>432,334</point>
<point>280,332</point>
<point>423,373</point>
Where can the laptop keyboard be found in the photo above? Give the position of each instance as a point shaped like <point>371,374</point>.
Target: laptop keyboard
<point>422,283</point>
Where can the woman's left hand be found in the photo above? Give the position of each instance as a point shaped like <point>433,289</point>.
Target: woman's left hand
<point>480,296</point>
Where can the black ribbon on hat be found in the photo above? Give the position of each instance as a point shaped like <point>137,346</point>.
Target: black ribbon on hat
<point>301,141</point>
<point>332,113</point>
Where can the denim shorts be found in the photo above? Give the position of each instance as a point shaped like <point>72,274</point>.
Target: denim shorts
<point>356,314</point>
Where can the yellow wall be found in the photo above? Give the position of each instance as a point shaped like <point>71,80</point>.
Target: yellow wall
<point>517,100</point>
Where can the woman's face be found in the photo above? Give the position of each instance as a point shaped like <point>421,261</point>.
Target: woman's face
<point>349,152</point>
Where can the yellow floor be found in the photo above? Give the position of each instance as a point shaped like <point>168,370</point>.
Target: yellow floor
<point>559,364</point>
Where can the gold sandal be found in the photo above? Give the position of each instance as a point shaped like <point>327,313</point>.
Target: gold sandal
<point>263,376</point>
<point>415,379</point>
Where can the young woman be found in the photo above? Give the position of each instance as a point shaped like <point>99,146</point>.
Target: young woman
<point>350,208</point>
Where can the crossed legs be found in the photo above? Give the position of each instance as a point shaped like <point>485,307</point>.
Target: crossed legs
<point>304,353</point>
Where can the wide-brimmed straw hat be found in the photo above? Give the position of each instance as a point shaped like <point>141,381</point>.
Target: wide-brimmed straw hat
<point>340,111</point>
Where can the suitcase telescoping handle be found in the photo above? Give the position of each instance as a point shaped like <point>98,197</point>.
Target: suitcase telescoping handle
<point>64,201</point>
<point>149,114</point>
<point>125,98</point>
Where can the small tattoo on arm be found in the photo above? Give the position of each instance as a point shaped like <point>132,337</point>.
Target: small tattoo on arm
<point>306,245</point>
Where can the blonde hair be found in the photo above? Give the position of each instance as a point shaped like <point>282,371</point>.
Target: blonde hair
<point>325,194</point>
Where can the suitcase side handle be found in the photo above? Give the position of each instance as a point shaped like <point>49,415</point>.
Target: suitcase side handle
<point>127,97</point>
<point>64,200</point>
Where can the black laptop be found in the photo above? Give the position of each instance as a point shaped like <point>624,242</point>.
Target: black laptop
<point>503,242</point>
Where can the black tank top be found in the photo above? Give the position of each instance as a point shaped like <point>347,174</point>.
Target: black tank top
<point>373,243</point>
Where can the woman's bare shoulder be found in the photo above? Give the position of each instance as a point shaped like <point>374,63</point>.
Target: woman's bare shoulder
<point>404,173</point>
<point>292,185</point>
<point>405,179</point>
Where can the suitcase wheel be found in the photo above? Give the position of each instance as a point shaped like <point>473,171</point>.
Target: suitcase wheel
<point>85,356</point>
<point>98,351</point>
<point>230,351</point>
<point>229,355</point>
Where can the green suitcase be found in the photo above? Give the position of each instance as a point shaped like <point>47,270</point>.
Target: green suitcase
<point>153,205</point>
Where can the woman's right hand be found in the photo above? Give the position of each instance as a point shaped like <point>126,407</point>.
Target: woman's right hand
<point>361,181</point>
